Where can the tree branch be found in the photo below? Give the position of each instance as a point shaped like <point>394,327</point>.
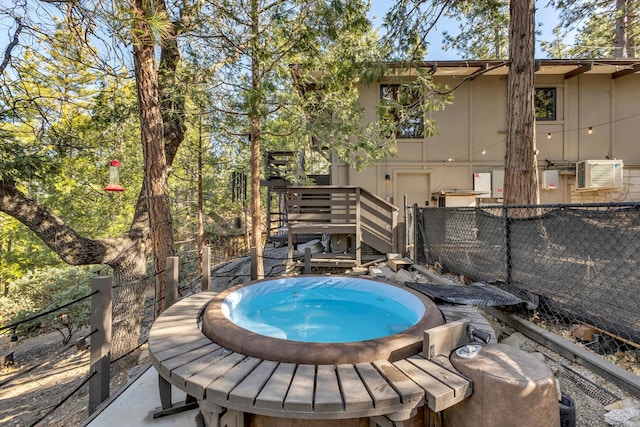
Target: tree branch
<point>73,248</point>
<point>10,46</point>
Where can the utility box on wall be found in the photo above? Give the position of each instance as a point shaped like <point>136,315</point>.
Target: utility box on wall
<point>549,179</point>
<point>482,183</point>
<point>497,183</point>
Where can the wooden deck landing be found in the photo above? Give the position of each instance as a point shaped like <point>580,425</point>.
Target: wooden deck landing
<point>220,378</point>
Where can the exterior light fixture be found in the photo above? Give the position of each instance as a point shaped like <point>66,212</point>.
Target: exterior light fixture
<point>590,130</point>
<point>387,177</point>
<point>484,151</point>
<point>114,177</point>
<point>549,135</point>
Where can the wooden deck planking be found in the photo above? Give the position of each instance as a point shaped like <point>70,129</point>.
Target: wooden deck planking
<point>328,397</point>
<point>209,372</point>
<point>408,391</point>
<point>322,227</point>
<point>220,388</point>
<point>178,350</point>
<point>461,386</point>
<point>246,392</point>
<point>183,373</point>
<point>197,383</point>
<point>173,336</point>
<point>274,392</point>
<point>437,393</point>
<point>187,308</point>
<point>186,357</point>
<point>355,394</point>
<point>300,395</point>
<point>379,389</point>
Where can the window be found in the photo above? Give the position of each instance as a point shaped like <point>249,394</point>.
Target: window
<point>545,103</point>
<point>403,105</point>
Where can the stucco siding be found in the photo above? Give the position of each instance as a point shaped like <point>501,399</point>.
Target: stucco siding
<point>472,135</point>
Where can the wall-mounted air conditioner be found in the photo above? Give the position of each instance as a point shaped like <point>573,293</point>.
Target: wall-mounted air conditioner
<point>599,174</point>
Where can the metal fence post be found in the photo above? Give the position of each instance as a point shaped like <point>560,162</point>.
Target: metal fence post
<point>173,273</point>
<point>507,245</point>
<point>416,230</point>
<point>100,350</point>
<point>403,228</point>
<point>205,280</point>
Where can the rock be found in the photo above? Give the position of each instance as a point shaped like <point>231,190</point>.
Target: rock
<point>516,340</point>
<point>421,278</point>
<point>615,405</point>
<point>403,276</point>
<point>627,416</point>
<point>144,357</point>
<point>539,356</point>
<point>381,272</point>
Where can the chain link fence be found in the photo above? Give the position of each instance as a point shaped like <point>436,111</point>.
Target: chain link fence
<point>575,264</point>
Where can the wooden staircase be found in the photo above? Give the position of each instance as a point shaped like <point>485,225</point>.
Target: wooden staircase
<point>365,218</point>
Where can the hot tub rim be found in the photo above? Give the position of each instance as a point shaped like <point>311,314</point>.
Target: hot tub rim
<point>407,343</point>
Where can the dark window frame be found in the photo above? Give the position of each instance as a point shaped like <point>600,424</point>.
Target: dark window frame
<point>548,112</point>
<point>414,129</point>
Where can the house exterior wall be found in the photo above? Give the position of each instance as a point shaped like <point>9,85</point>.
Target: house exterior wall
<point>472,135</point>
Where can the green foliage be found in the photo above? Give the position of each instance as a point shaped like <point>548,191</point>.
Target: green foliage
<point>604,29</point>
<point>63,122</point>
<point>21,251</point>
<point>483,29</point>
<point>408,25</point>
<point>45,289</point>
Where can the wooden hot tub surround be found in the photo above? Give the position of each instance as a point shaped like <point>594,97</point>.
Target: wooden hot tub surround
<point>226,382</point>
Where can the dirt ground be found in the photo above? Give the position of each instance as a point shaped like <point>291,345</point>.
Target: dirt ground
<point>44,373</point>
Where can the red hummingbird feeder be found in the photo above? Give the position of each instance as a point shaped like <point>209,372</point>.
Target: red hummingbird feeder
<point>114,177</point>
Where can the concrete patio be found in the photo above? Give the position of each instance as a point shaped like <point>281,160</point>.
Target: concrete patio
<point>134,404</point>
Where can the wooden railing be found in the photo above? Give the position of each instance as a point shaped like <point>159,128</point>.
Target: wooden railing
<point>339,210</point>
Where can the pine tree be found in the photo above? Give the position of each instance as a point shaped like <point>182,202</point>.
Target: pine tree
<point>605,28</point>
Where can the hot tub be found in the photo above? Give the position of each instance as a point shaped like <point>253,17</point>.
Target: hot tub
<point>321,320</point>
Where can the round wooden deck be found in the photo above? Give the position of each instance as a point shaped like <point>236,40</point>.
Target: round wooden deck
<point>219,378</point>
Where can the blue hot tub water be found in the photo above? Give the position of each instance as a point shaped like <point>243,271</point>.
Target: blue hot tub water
<point>323,309</point>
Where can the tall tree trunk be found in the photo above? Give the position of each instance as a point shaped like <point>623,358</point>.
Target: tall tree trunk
<point>172,102</point>
<point>126,254</point>
<point>130,282</point>
<point>621,43</point>
<point>254,115</point>
<point>521,166</point>
<point>155,159</point>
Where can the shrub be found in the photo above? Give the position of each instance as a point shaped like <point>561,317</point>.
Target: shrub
<point>43,290</point>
